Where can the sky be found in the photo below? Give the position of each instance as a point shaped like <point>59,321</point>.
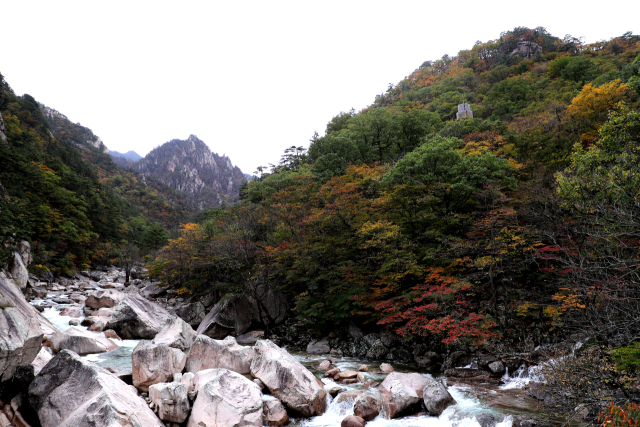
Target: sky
<point>250,78</point>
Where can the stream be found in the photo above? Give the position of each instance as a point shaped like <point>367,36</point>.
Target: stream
<point>504,401</point>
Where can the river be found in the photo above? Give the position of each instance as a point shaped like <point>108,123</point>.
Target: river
<point>503,402</point>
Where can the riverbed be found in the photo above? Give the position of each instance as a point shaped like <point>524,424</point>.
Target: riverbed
<point>503,402</point>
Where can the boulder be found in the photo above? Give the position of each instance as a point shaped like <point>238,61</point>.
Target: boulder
<point>81,341</point>
<point>274,414</point>
<point>250,338</point>
<point>193,313</point>
<point>236,314</point>
<point>352,421</point>
<point>106,298</point>
<point>207,353</point>
<point>176,333</point>
<point>171,400</point>
<point>287,380</point>
<point>70,392</point>
<point>20,331</point>
<point>227,400</point>
<point>366,407</point>
<point>332,372</point>
<point>347,374</point>
<point>319,346</point>
<point>437,398</point>
<point>400,391</point>
<point>325,365</point>
<point>135,317</point>
<point>385,368</point>
<point>363,368</point>
<point>496,368</point>
<point>153,364</point>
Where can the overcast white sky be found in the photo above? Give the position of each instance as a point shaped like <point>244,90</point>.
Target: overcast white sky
<point>250,78</point>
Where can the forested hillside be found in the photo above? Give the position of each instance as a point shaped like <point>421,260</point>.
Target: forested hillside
<point>60,191</point>
<point>515,228</point>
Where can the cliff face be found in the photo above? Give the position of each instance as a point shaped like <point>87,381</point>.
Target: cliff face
<point>190,167</point>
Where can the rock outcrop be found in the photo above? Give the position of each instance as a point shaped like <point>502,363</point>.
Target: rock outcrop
<point>297,388</point>
<point>227,400</point>
<point>236,314</point>
<point>153,364</point>
<point>135,317</point>
<point>207,353</point>
<point>71,392</point>
<point>189,166</point>
<point>20,332</point>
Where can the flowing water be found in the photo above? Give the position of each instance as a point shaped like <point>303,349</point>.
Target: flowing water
<point>118,359</point>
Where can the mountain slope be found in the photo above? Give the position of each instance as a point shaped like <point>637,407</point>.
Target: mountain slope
<point>190,167</point>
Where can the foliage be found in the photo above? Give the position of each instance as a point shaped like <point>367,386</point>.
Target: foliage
<point>620,416</point>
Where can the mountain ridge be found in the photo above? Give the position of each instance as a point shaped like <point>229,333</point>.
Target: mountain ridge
<point>191,167</point>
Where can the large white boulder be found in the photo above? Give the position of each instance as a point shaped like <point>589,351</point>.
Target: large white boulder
<point>207,353</point>
<point>104,298</point>
<point>227,400</point>
<point>71,392</point>
<point>293,384</point>
<point>176,333</point>
<point>81,341</point>
<point>136,317</point>
<point>399,391</point>
<point>171,400</point>
<point>153,364</point>
<point>20,332</point>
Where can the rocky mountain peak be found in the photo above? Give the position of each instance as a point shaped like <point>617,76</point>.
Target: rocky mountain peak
<point>191,167</point>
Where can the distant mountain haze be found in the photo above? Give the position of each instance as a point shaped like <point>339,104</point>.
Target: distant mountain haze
<point>131,155</point>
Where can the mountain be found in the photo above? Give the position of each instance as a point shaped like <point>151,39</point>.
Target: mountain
<point>189,166</point>
<point>131,155</point>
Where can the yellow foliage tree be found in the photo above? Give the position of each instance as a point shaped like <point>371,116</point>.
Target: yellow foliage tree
<point>591,107</point>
